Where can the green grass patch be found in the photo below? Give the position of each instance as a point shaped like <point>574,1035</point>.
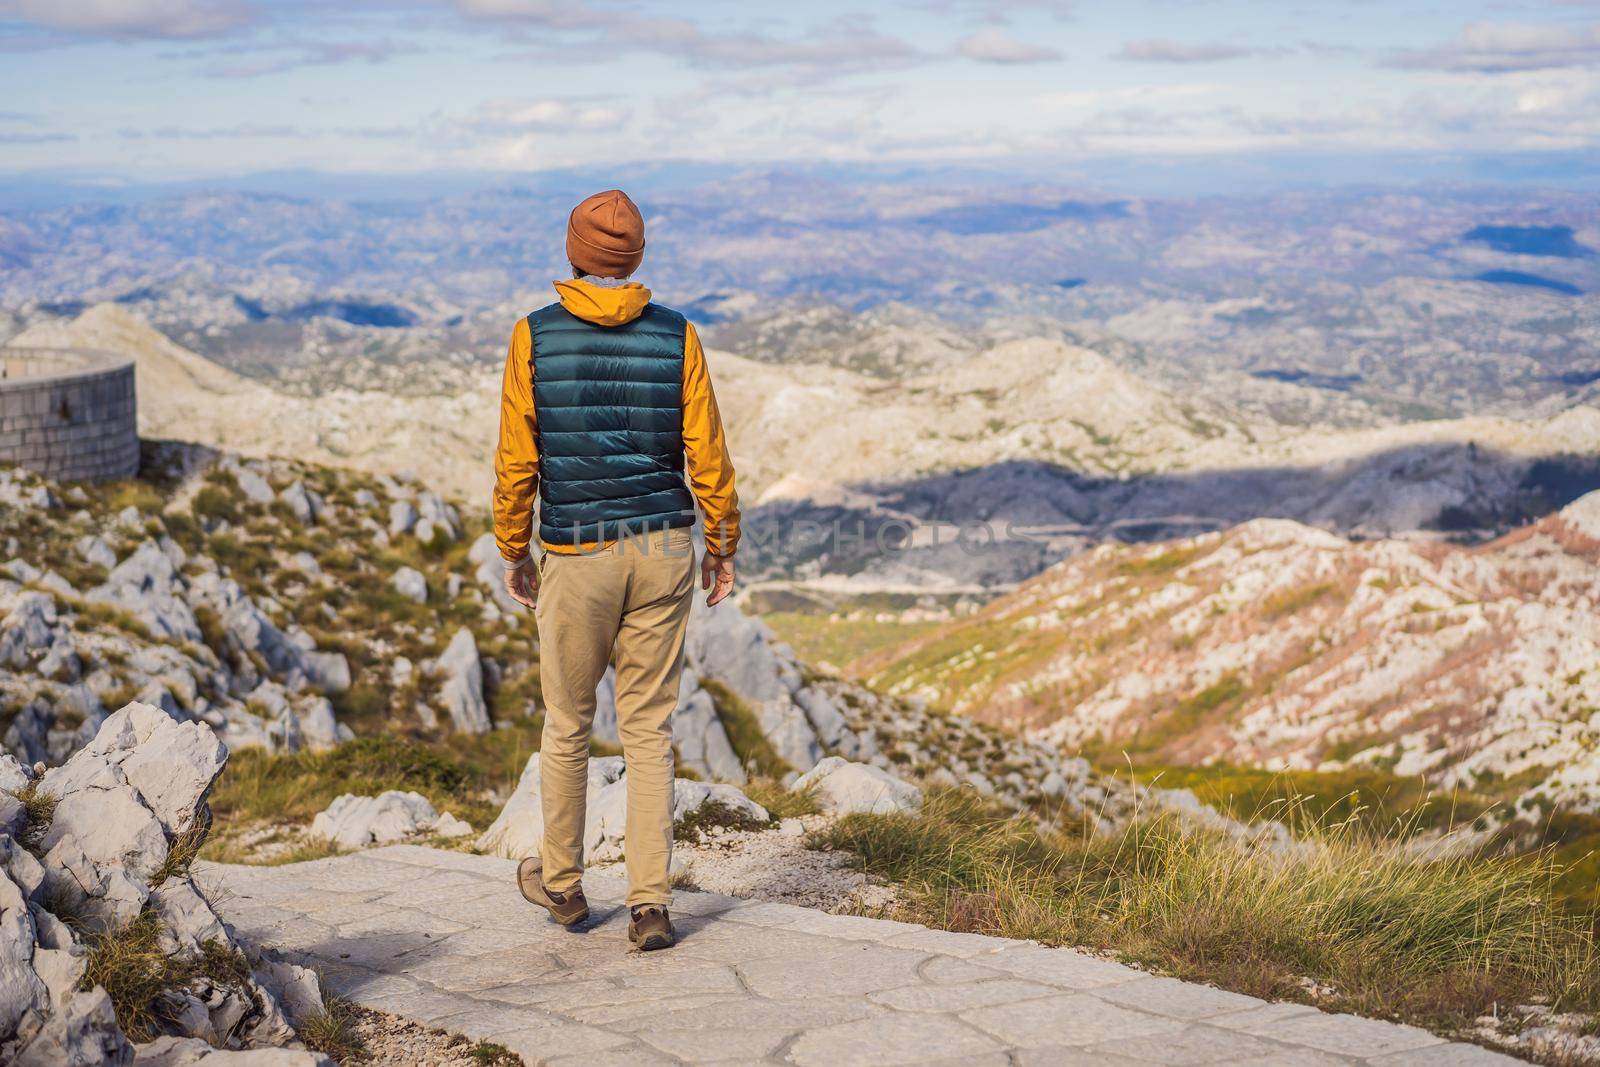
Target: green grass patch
<point>780,801</point>
<point>1160,563</point>
<point>1289,601</point>
<point>750,744</point>
<point>841,641</point>
<point>714,814</point>
<point>1437,942</point>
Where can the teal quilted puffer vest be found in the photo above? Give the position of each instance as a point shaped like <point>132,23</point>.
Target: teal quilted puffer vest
<point>609,406</point>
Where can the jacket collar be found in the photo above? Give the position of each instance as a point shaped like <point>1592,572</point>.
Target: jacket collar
<point>603,305</point>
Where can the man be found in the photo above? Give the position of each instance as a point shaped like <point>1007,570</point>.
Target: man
<point>606,401</point>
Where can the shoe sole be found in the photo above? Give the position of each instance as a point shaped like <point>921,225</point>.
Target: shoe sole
<point>651,942</point>
<point>532,888</point>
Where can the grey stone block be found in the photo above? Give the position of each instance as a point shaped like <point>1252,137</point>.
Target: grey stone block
<point>1179,1000</point>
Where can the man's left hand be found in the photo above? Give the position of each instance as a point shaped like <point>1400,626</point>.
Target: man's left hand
<point>522,583</point>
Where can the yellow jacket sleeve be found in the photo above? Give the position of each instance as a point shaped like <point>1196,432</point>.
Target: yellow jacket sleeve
<point>516,459</point>
<point>706,450</point>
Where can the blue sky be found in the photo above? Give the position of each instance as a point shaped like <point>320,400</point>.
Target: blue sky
<point>198,88</point>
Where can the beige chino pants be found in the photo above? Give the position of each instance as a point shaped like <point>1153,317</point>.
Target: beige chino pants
<point>632,598</point>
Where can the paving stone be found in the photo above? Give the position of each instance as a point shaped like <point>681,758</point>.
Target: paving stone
<point>1262,1019</point>
<point>760,1013</point>
<point>625,1012</point>
<point>851,927</point>
<point>540,1044</point>
<point>637,1056</point>
<point>947,943</point>
<point>890,1039</point>
<point>1060,967</point>
<point>1453,1055</point>
<point>1071,1019</point>
<point>943,969</point>
<point>1196,1045</point>
<point>1071,1057</point>
<point>960,996</point>
<point>1349,1035</point>
<point>1177,1000</point>
<point>1284,1056</point>
<point>855,973</point>
<point>742,1043</point>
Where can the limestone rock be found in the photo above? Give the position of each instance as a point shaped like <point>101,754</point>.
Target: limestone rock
<point>318,727</point>
<point>356,822</point>
<point>698,732</point>
<point>192,1052</point>
<point>402,517</point>
<point>410,583</point>
<point>24,997</point>
<point>741,652</point>
<point>462,691</point>
<point>519,829</point>
<point>95,550</point>
<point>147,585</point>
<point>84,1032</point>
<point>28,630</point>
<point>255,488</point>
<point>604,727</point>
<point>606,832</point>
<point>305,504</point>
<point>844,788</point>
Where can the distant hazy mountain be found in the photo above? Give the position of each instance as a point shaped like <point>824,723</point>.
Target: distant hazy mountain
<point>1390,303</point>
<point>1052,447</point>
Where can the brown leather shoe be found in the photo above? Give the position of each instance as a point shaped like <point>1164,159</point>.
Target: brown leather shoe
<point>564,908</point>
<point>649,928</point>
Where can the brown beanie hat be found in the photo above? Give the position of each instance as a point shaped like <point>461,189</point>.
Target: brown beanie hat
<point>605,235</point>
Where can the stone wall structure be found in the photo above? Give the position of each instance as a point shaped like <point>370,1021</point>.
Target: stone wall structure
<point>69,414</point>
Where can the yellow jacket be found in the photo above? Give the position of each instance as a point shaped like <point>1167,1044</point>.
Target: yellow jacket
<point>516,460</point>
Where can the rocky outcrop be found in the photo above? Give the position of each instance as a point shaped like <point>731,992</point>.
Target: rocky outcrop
<point>356,822</point>
<point>740,652</point>
<point>461,674</point>
<point>845,788</point>
<point>519,830</point>
<point>192,1052</point>
<point>129,813</point>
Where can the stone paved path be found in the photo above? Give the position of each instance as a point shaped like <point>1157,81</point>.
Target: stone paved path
<point>445,938</point>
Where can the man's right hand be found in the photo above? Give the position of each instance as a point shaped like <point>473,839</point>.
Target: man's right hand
<point>522,583</point>
<point>716,574</point>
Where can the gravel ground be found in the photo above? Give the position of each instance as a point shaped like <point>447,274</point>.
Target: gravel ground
<point>392,1041</point>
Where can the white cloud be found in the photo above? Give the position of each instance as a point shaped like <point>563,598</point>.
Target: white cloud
<point>548,113</point>
<point>132,18</point>
<point>998,46</point>
<point>291,54</point>
<point>844,46</point>
<point>1160,50</point>
<point>1496,48</point>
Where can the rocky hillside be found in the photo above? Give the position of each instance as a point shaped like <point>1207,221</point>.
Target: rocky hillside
<point>1278,645</point>
<point>291,607</point>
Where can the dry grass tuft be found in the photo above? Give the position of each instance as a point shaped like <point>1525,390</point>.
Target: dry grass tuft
<point>1435,941</point>
<point>333,1031</point>
<point>780,801</point>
